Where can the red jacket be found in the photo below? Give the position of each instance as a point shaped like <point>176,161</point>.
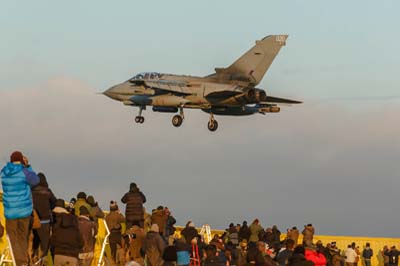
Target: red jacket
<point>316,257</point>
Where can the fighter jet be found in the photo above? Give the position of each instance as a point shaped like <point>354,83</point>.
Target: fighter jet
<point>229,91</point>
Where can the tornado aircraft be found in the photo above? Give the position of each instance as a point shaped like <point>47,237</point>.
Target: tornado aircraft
<point>229,91</point>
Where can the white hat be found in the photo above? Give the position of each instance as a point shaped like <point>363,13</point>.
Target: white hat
<point>155,228</point>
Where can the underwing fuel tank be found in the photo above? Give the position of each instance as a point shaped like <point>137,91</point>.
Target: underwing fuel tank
<point>168,100</point>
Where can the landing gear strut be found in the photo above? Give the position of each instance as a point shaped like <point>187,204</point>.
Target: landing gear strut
<point>140,119</point>
<point>212,124</point>
<point>177,120</point>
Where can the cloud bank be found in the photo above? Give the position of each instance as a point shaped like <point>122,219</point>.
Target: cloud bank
<point>331,164</point>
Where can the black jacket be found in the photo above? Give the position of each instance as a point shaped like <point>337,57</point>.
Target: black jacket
<point>299,260</point>
<point>43,199</point>
<point>244,233</point>
<point>134,200</point>
<point>66,238</point>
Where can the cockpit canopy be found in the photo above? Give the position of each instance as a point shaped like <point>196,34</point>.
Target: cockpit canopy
<point>146,75</point>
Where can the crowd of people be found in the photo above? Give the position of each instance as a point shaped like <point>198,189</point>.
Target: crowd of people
<point>38,223</point>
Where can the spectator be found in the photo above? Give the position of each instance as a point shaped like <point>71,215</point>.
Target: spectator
<point>211,257</point>
<point>95,211</point>
<point>308,235</point>
<point>170,255</point>
<point>255,229</point>
<point>189,232</point>
<point>294,235</point>
<point>276,235</point>
<point>393,255</point>
<point>114,222</point>
<point>183,252</point>
<point>350,255</point>
<point>88,230</point>
<point>17,178</point>
<point>81,201</point>
<point>244,232</point>
<point>242,253</point>
<point>233,235</point>
<point>298,258</point>
<point>66,238</point>
<point>159,217</point>
<point>268,236</point>
<point>262,258</point>
<point>171,221</point>
<point>134,200</point>
<point>315,256</point>
<point>43,202</point>
<point>283,256</point>
<point>367,254</point>
<point>135,239</point>
<point>385,250</point>
<point>154,247</point>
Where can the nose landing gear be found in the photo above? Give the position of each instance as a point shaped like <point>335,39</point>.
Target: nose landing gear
<point>140,119</point>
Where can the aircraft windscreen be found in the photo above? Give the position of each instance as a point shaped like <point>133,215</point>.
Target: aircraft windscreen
<point>147,75</point>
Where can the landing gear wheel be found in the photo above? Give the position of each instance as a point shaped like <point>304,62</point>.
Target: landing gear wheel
<point>139,119</point>
<point>177,120</point>
<point>213,125</point>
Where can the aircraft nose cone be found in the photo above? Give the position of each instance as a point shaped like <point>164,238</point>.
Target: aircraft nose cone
<point>110,93</point>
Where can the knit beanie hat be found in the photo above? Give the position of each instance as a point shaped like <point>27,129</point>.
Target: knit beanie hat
<point>16,156</point>
<point>155,228</point>
<point>83,210</point>
<point>90,200</point>
<point>113,206</point>
<point>81,195</point>
<point>60,203</point>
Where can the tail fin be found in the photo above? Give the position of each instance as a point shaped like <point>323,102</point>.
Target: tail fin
<point>253,65</point>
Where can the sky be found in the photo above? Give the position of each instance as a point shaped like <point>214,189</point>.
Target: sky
<point>332,161</point>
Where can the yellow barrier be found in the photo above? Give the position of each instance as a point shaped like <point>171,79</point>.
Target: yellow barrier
<point>341,241</point>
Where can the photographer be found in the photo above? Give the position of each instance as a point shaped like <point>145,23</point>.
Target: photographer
<point>17,178</point>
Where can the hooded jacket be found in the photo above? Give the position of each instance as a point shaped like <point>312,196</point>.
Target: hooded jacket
<point>316,257</point>
<point>154,247</point>
<point>299,260</point>
<point>17,181</point>
<point>66,238</point>
<point>134,200</point>
<point>43,199</point>
<point>160,218</point>
<point>88,230</point>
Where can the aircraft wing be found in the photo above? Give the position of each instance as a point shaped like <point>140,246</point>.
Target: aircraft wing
<point>274,100</point>
<point>171,86</point>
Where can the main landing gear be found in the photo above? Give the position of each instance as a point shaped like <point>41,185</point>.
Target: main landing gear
<point>140,119</point>
<point>212,124</point>
<point>177,120</point>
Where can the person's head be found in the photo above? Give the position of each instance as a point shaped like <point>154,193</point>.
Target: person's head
<point>132,187</point>
<point>299,250</point>
<point>243,244</point>
<point>160,208</point>
<point>256,221</point>
<point>231,225</point>
<point>319,243</point>
<point>81,195</point>
<point>113,206</point>
<point>368,245</point>
<point>261,246</point>
<point>90,200</point>
<point>244,223</point>
<point>393,248</point>
<point>155,228</point>
<point>191,224</point>
<point>353,245</point>
<point>84,211</point>
<point>274,227</point>
<point>309,225</point>
<point>42,180</point>
<point>294,228</point>
<point>211,251</point>
<point>17,157</point>
<point>290,244</point>
<point>60,203</point>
